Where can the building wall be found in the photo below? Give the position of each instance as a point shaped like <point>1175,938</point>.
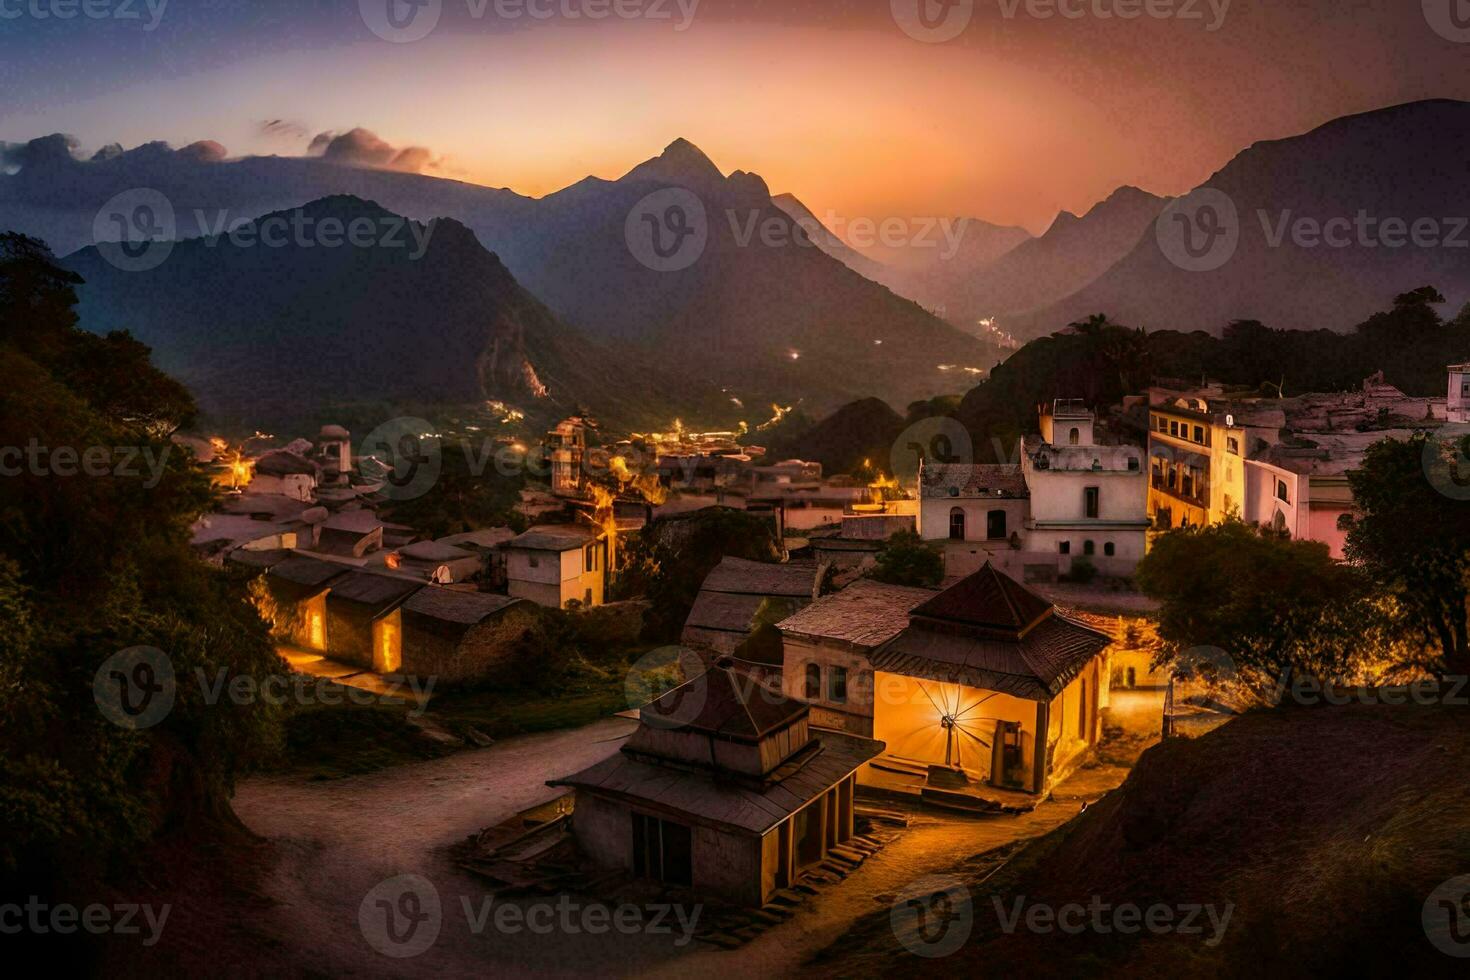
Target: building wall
<point>1263,504</point>
<point>1066,741</point>
<point>431,650</point>
<point>1322,526</point>
<point>1222,469</point>
<point>935,513</point>
<point>541,593</point>
<point>349,633</point>
<point>553,579</point>
<point>387,653</point>
<point>855,715</point>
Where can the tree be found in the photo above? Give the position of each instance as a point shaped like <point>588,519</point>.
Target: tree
<point>1410,533</point>
<point>907,559</point>
<point>1276,606</point>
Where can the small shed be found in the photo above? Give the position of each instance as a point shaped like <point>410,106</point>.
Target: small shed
<point>364,624</point>
<point>435,561</point>
<point>461,636</point>
<point>298,591</point>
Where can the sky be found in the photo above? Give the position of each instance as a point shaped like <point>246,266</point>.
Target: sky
<point>1005,110</point>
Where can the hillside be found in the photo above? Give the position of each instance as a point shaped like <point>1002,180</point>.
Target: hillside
<point>275,335</point>
<point>1324,830</point>
<point>841,442</point>
<point>1407,163</point>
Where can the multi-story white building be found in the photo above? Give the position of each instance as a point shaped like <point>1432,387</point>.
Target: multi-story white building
<point>1086,500</point>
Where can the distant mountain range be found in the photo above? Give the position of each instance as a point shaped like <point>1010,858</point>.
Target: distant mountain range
<point>1401,166</point>
<point>757,317</point>
<point>275,335</point>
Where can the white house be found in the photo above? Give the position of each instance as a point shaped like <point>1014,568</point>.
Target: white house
<point>1086,500</point>
<point>1458,409</point>
<point>553,564</point>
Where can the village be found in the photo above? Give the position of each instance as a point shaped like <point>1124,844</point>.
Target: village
<point>811,717</point>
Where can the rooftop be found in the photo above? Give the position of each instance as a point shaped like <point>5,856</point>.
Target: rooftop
<point>742,577</point>
<point>454,606</point>
<point>354,521</point>
<point>381,592</point>
<point>724,701</point>
<point>555,537</point>
<point>865,614</point>
<point>986,480</point>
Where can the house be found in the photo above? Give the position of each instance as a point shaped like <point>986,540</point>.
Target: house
<point>351,534</point>
<point>461,636</point>
<point>724,788</point>
<point>364,622</point>
<point>978,511</point>
<point>826,648</point>
<point>437,562</point>
<point>215,536</point>
<point>285,473</point>
<point>855,545</point>
<point>566,445</point>
<point>554,564</point>
<point>1196,462</point>
<point>298,589</point>
<point>1087,501</point>
<point>1458,403</point>
<point>738,595</point>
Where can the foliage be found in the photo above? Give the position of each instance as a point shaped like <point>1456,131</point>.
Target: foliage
<point>1411,533</point>
<point>907,559</point>
<point>94,564</point>
<point>1275,606</point>
<point>1083,570</point>
<point>471,493</point>
<point>669,559</point>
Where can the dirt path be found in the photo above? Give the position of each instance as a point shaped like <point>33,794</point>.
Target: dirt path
<point>339,839</point>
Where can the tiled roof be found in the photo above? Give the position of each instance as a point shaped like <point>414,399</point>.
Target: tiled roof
<point>554,537</point>
<point>975,480</point>
<point>283,463</point>
<point>354,521</point>
<point>865,614</point>
<point>454,606</point>
<point>989,599</point>
<point>724,701</point>
<point>737,575</point>
<point>434,551</point>
<point>307,571</point>
<point>370,589</point>
<point>724,801</point>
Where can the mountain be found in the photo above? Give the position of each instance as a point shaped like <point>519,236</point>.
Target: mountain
<point>864,430</point>
<point>274,334</point>
<point>1072,253</point>
<point>822,237</point>
<point>757,315</point>
<point>1406,164</point>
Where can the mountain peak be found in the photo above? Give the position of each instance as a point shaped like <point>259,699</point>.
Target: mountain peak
<point>680,163</point>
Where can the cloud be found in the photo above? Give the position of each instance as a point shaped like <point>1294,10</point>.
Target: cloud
<point>60,150</point>
<point>282,129</point>
<point>363,148</point>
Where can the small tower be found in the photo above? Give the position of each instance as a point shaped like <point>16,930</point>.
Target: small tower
<point>334,452</point>
<point>1067,422</point>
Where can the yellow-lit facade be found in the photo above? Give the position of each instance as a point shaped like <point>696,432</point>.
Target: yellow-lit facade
<point>1196,465</point>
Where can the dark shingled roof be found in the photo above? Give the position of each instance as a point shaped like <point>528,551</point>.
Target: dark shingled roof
<point>283,463</point>
<point>307,571</point>
<point>988,599</point>
<point>742,577</point>
<point>381,592</point>
<point>994,480</point>
<point>990,632</point>
<point>454,606</point>
<point>865,614</point>
<point>729,703</point>
<point>727,802</point>
<point>554,537</point>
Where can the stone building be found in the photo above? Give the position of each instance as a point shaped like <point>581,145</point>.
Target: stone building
<point>461,636</point>
<point>724,788</point>
<point>364,624</point>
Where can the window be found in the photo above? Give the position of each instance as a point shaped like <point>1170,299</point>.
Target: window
<point>837,685</point>
<point>1173,428</point>
<point>1089,548</point>
<point>813,682</point>
<point>1065,547</point>
<point>1199,434</point>
<point>995,525</point>
<point>534,560</point>
<point>662,850</point>
<point>589,558</point>
<point>1091,501</point>
<point>1082,712</point>
<point>1282,494</point>
<point>1074,437</point>
<point>957,524</point>
<point>1232,444</point>
<point>1133,464</point>
<point>1110,549</point>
